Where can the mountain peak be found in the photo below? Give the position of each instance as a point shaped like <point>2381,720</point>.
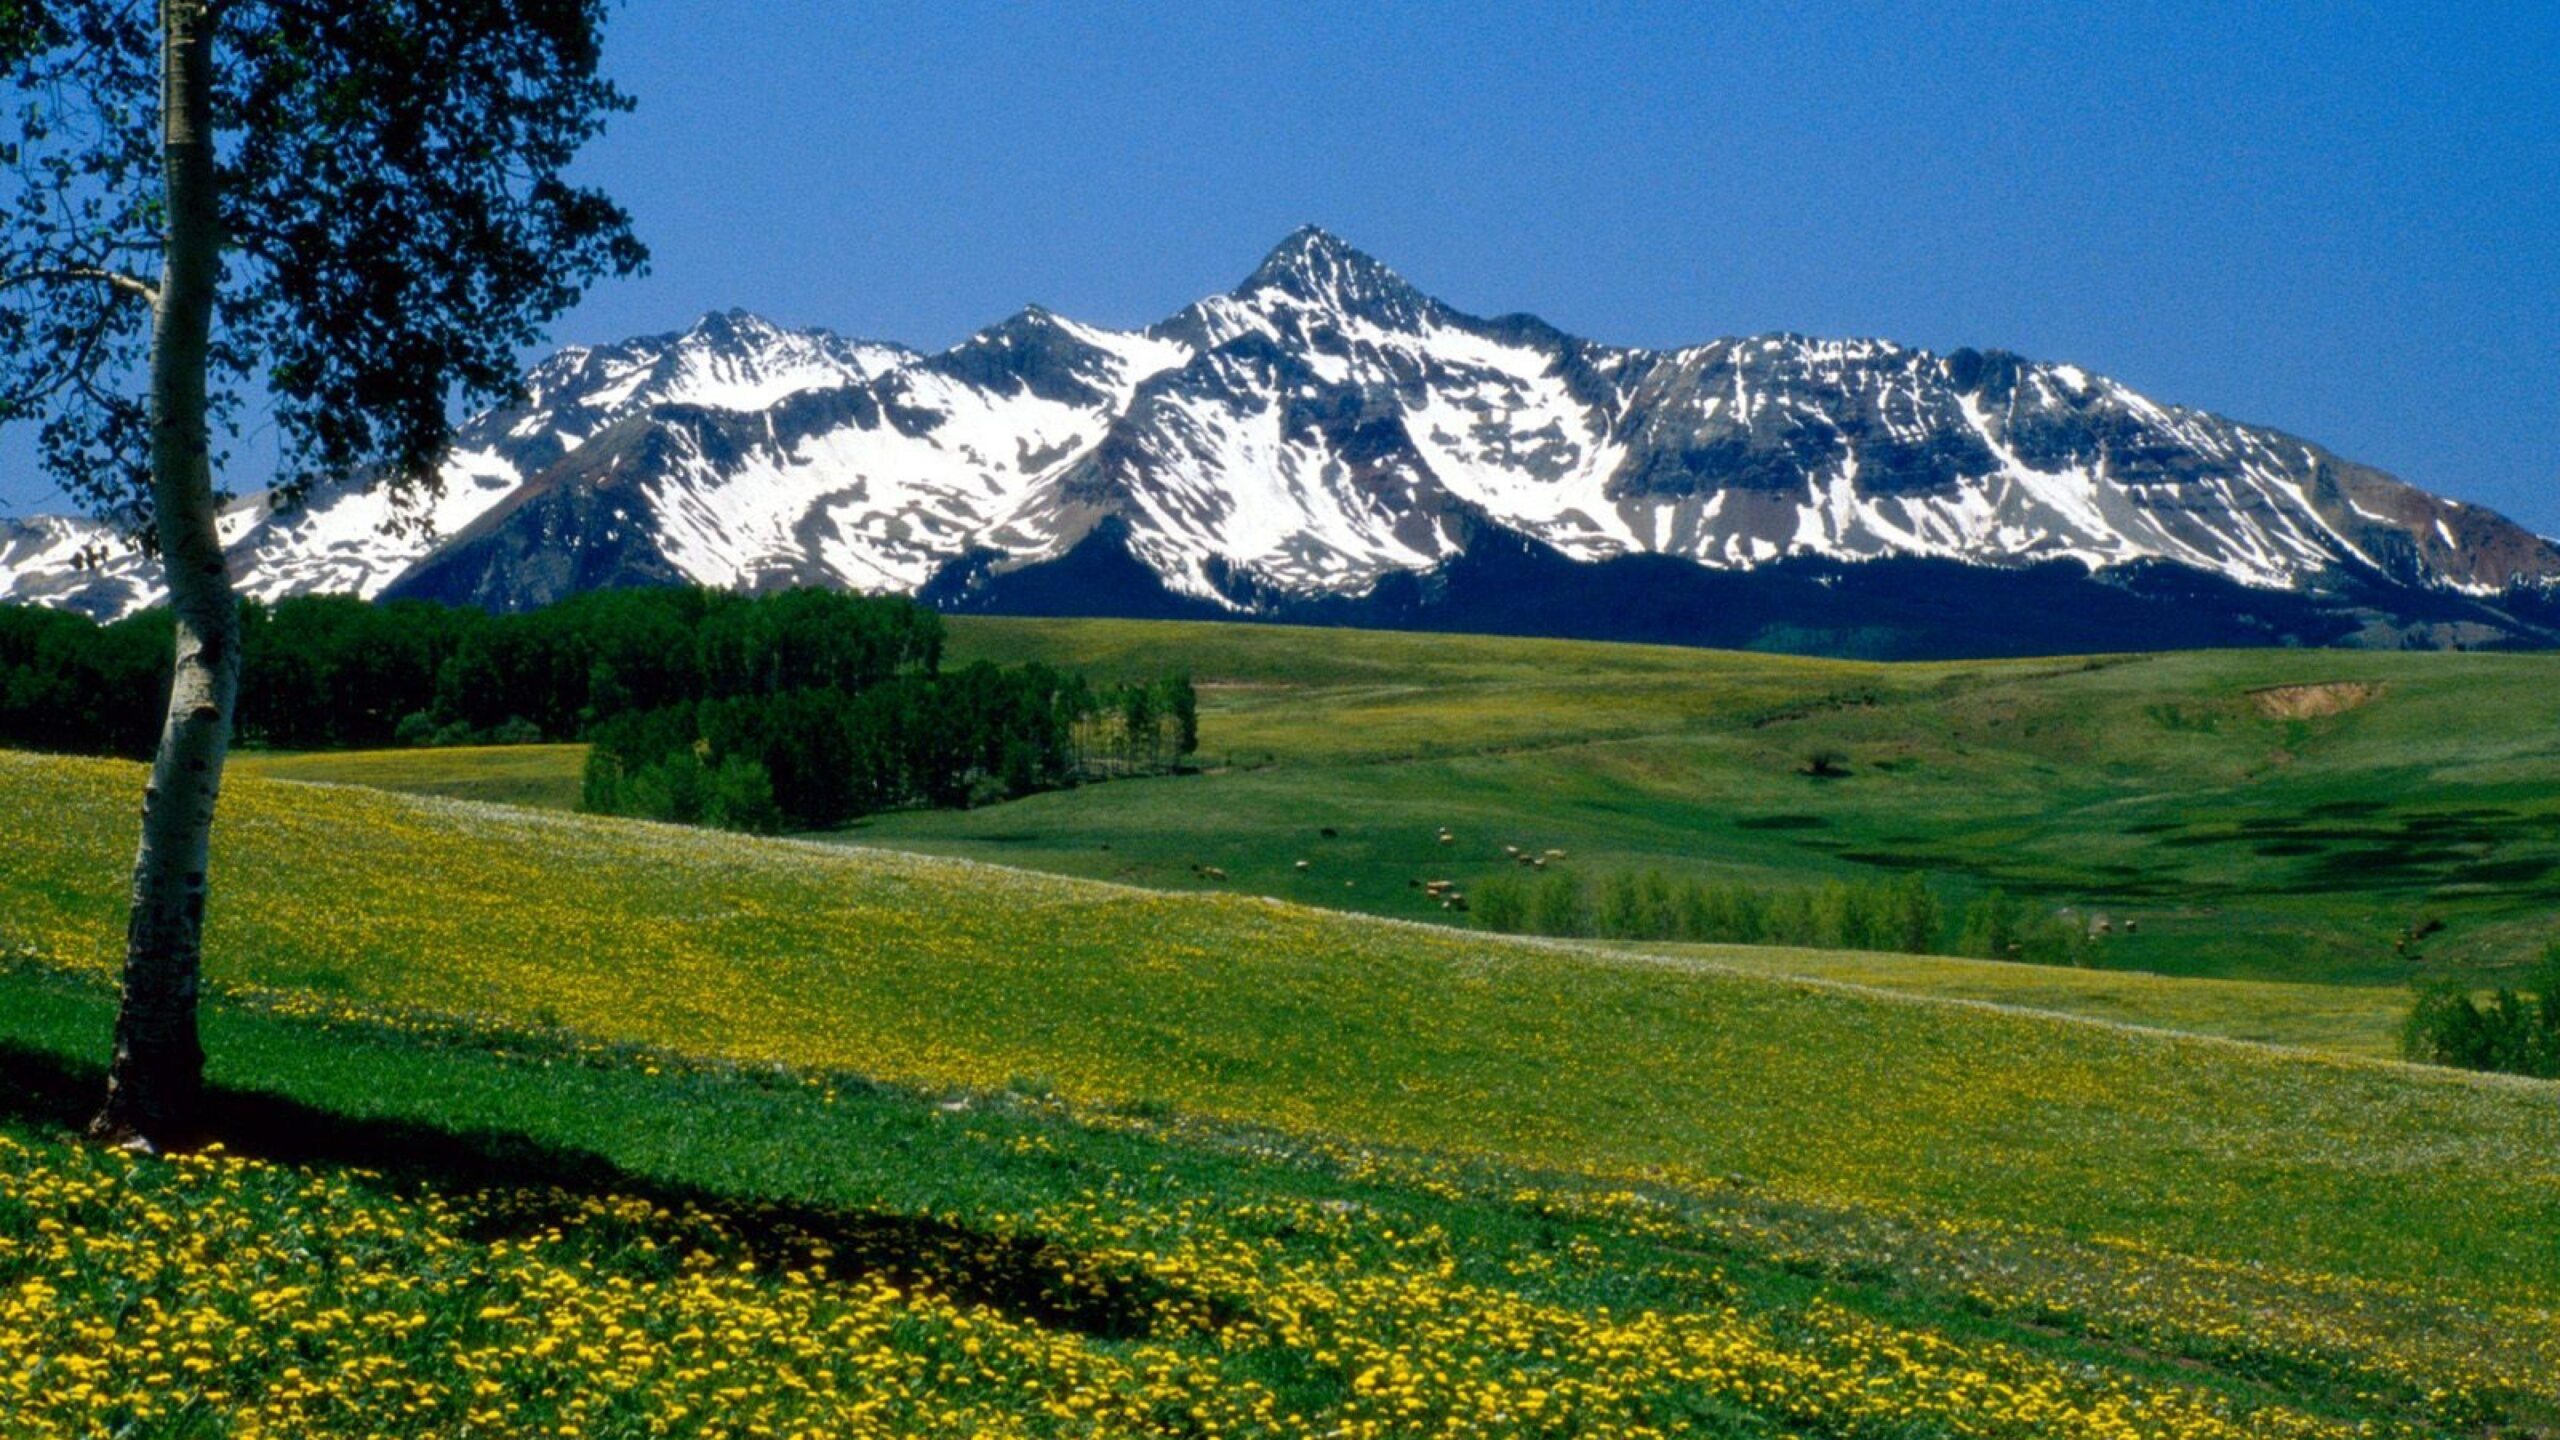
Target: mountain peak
<point>1314,264</point>
<point>1326,432</point>
<point>1034,318</point>
<point>721,327</point>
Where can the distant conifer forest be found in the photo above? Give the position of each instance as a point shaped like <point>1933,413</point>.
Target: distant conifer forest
<point>797,710</point>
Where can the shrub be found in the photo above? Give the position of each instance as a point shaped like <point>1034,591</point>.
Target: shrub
<point>1848,917</point>
<point>600,785</point>
<point>1991,928</point>
<point>1788,919</point>
<point>1735,914</point>
<point>674,788</point>
<point>739,796</point>
<point>1901,914</point>
<point>1559,906</point>
<point>1501,904</point>
<point>1912,916</point>
<point>1622,909</point>
<point>2059,938</point>
<point>2516,1033</point>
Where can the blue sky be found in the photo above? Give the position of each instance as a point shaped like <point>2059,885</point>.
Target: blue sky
<point>2342,220</point>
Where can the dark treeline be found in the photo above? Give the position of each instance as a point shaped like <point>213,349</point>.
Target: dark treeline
<point>810,757</point>
<point>1903,914</point>
<point>329,671</point>
<point>70,684</point>
<point>801,708</point>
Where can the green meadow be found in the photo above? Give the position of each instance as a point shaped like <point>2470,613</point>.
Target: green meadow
<point>2047,1191</point>
<point>2265,815</point>
<point>542,776</point>
<point>1088,1142</point>
<point>2281,816</point>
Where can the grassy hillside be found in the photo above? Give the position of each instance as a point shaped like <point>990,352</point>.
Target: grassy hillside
<point>1185,1164</point>
<point>927,972</point>
<point>2346,1019</point>
<point>2263,815</point>
<point>592,1127</point>
<point>542,776</point>
<point>461,1228</point>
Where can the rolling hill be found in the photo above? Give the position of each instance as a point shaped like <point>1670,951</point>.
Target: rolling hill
<point>1777,1203</point>
<point>2262,815</point>
<point>542,1121</point>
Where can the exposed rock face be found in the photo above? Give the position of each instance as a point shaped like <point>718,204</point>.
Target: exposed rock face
<point>2313,702</point>
<point>1325,440</point>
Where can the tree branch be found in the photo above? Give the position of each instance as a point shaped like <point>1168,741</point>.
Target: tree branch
<point>116,280</point>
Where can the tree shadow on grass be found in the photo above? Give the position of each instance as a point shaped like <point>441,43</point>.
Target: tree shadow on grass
<point>509,1185</point>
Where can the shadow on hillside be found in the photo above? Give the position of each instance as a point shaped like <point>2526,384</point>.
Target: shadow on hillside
<point>507,1185</point>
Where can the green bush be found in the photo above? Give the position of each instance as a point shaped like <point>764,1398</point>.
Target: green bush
<point>1789,919</point>
<point>1732,914</point>
<point>1901,914</point>
<point>1621,909</point>
<point>1501,905</point>
<point>1911,915</point>
<point>2516,1033</point>
<point>1559,906</point>
<point>1991,928</point>
<point>1904,914</point>
<point>2055,939</point>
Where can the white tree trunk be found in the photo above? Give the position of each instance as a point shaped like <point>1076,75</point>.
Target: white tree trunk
<point>155,1088</point>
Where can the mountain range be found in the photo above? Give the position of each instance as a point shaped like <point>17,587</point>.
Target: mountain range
<point>1327,444</point>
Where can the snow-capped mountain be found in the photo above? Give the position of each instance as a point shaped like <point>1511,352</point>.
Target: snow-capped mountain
<point>355,541</point>
<point>1325,441</point>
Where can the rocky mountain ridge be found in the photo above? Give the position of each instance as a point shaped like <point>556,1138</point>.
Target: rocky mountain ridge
<point>1327,442</point>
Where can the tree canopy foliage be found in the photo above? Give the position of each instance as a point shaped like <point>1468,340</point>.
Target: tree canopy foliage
<point>351,212</point>
<point>821,705</point>
<point>394,221</point>
<point>2516,1032</point>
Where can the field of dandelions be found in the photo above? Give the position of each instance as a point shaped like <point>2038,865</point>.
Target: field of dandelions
<point>877,1144</point>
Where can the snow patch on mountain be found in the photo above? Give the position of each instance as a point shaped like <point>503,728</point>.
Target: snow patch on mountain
<point>1319,428</point>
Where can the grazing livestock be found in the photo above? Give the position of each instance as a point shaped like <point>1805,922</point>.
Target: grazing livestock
<point>1212,872</point>
<point>1305,865</point>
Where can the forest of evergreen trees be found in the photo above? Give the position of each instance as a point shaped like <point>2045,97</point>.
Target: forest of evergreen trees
<point>797,710</point>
